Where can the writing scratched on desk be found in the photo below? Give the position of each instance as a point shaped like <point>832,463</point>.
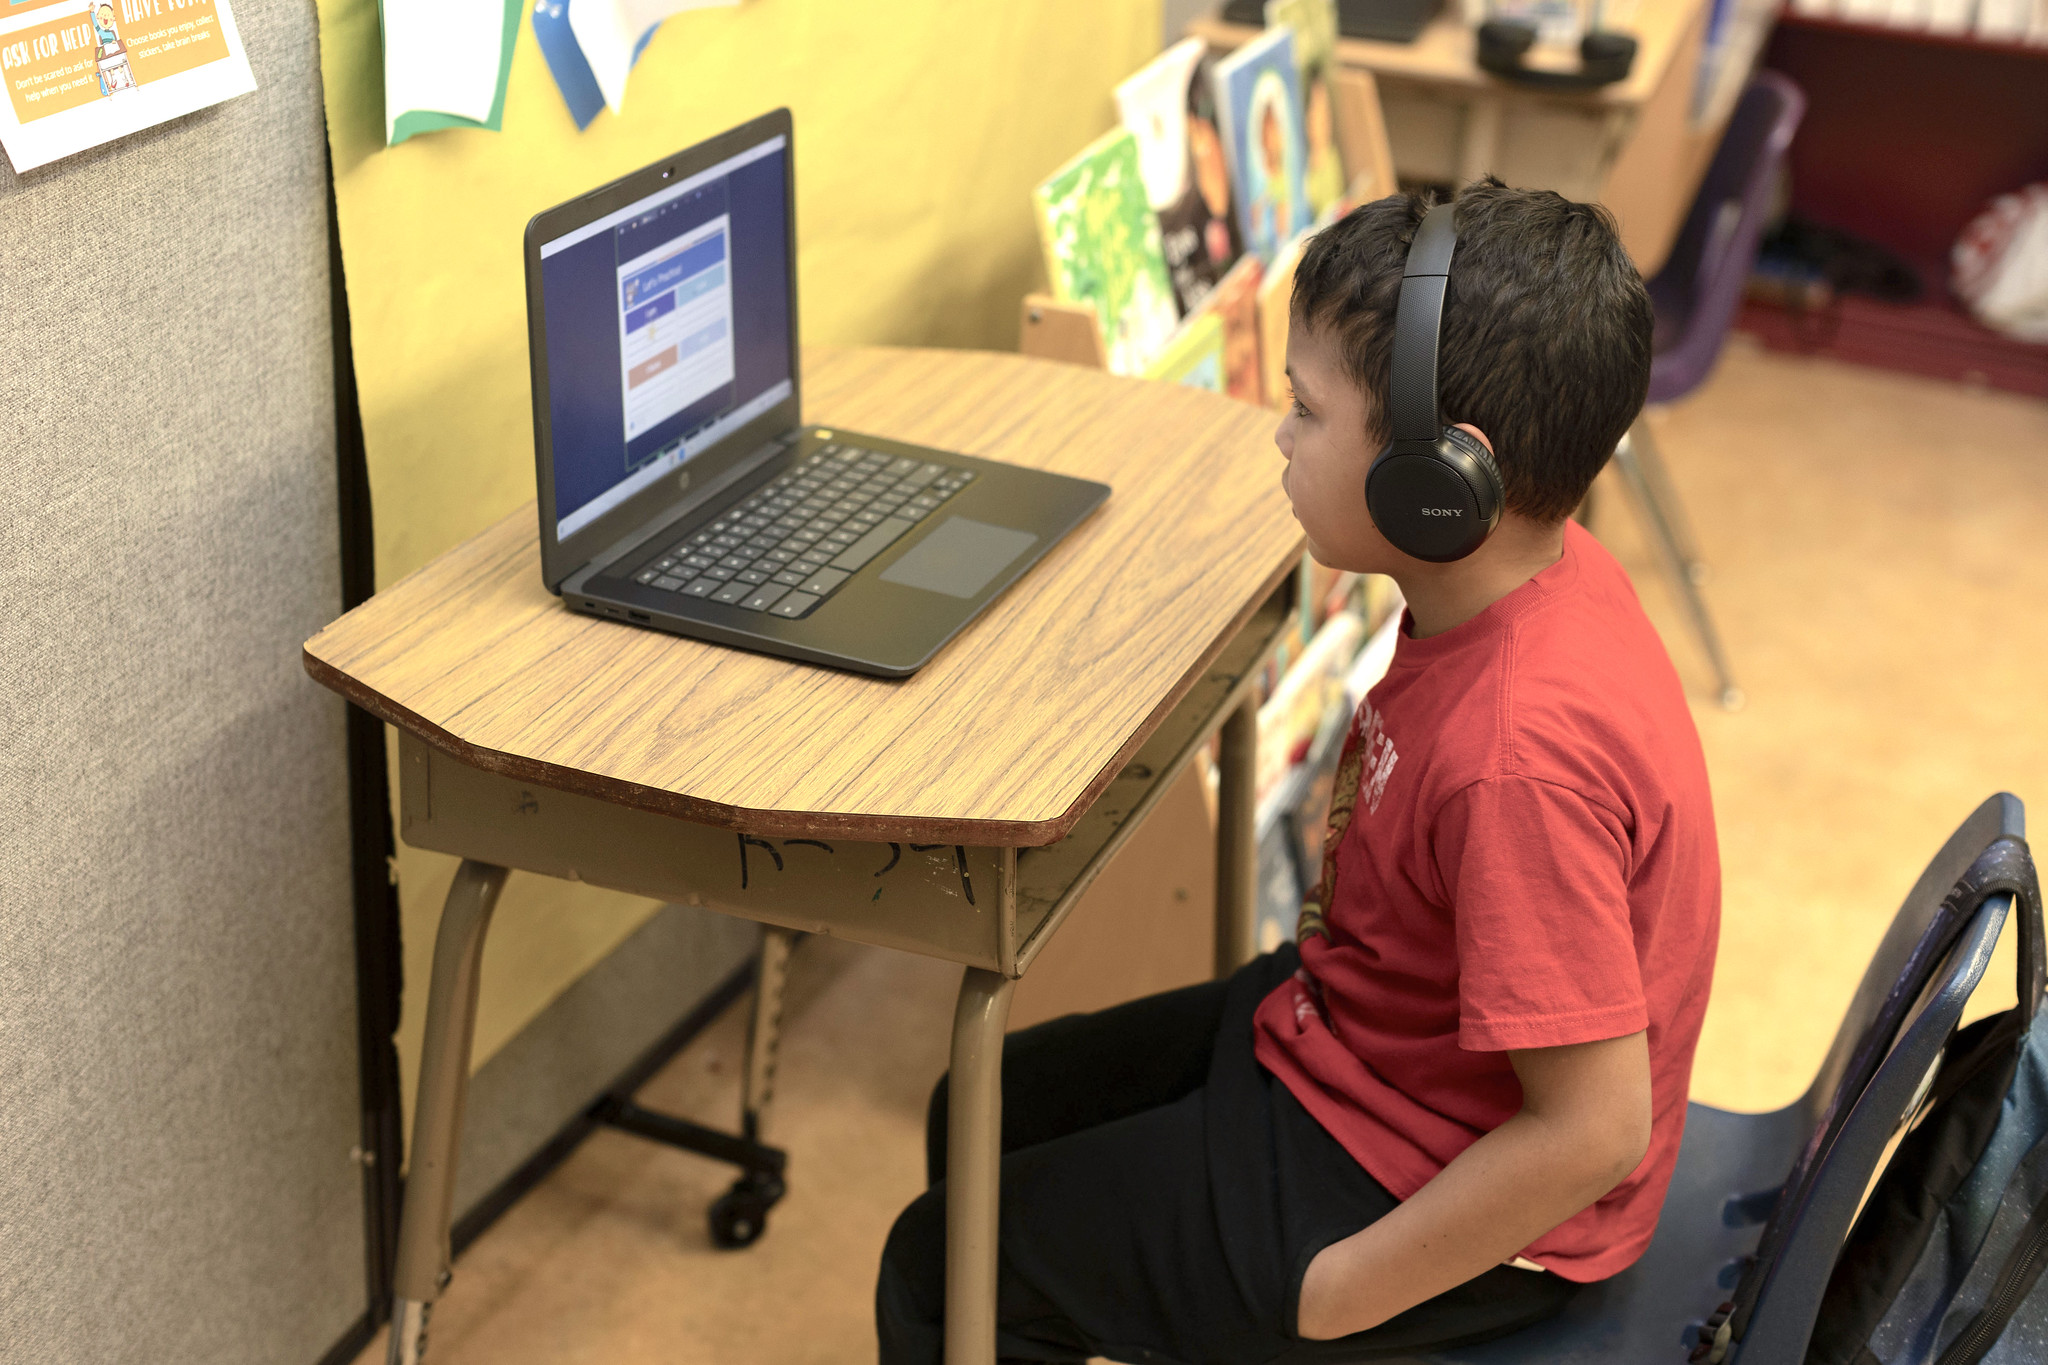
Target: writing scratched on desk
<point>755,866</point>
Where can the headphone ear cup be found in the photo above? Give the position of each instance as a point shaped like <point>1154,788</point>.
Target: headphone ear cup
<point>1605,56</point>
<point>1493,496</point>
<point>1436,501</point>
<point>1502,43</point>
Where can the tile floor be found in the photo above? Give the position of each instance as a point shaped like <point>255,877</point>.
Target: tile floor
<point>1880,566</point>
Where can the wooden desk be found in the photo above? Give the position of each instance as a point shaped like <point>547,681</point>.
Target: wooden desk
<point>958,813</point>
<point>1632,146</point>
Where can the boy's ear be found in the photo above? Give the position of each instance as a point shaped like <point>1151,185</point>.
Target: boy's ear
<point>1468,428</point>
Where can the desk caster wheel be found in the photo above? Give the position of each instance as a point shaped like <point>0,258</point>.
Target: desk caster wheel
<point>740,1215</point>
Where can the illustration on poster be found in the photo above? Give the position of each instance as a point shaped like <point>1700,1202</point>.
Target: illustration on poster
<point>78,73</point>
<point>114,72</point>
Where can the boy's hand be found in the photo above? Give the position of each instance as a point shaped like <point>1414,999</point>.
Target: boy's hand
<point>1584,1126</point>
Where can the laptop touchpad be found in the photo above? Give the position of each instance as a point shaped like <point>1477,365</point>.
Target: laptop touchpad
<point>959,557</point>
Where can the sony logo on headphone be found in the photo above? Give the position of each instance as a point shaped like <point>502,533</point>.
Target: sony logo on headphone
<point>1443,511</point>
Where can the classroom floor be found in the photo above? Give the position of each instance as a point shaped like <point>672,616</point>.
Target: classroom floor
<point>1878,569</point>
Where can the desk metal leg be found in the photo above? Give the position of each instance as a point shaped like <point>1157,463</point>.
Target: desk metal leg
<point>764,1030</point>
<point>423,1253</point>
<point>740,1215</point>
<point>1237,845</point>
<point>974,1140</point>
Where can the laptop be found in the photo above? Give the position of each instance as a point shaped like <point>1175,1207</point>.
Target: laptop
<point>680,489</point>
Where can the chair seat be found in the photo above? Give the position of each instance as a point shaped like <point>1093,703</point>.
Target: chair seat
<point>1644,1313</point>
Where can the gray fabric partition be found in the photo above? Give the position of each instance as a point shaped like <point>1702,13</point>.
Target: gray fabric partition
<point>178,1077</point>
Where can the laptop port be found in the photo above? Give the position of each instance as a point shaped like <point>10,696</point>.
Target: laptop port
<point>640,616</point>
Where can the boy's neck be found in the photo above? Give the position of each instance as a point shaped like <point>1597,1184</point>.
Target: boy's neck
<point>1442,596</point>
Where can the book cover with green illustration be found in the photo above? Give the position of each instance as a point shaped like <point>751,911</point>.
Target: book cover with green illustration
<point>1102,248</point>
<point>1193,356</point>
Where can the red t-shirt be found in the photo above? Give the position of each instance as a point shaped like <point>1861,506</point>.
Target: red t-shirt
<point>1530,862</point>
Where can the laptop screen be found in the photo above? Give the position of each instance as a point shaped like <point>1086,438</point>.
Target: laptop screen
<point>667,329</point>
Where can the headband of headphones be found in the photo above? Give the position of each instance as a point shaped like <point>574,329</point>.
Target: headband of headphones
<point>1418,325</point>
<point>1434,492</point>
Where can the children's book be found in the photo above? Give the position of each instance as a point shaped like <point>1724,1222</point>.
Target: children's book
<point>1276,294</point>
<point>1170,107</point>
<point>1258,92</point>
<point>1314,23</point>
<point>1235,302</point>
<point>1194,357</point>
<point>1948,16</point>
<point>1362,125</point>
<point>2002,20</point>
<point>1102,248</point>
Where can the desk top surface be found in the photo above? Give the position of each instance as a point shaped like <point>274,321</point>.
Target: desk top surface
<point>1442,54</point>
<point>1003,739</point>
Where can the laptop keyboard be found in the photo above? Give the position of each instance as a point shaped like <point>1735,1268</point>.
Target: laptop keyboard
<point>795,540</point>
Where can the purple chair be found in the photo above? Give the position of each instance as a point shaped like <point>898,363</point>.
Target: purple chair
<point>1760,1203</point>
<point>1695,297</point>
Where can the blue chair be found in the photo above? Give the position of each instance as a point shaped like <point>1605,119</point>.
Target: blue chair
<point>1761,1203</point>
<point>1694,298</point>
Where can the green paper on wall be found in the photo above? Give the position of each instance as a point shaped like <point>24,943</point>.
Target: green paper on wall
<point>414,55</point>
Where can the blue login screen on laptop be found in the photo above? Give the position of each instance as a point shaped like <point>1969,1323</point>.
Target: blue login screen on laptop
<point>667,327</point>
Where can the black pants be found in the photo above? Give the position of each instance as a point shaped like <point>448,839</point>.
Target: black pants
<point>1162,1196</point>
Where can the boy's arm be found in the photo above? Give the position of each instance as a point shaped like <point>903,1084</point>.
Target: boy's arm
<point>1583,1127</point>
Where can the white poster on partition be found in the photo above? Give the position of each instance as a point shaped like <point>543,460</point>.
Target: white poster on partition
<point>83,72</point>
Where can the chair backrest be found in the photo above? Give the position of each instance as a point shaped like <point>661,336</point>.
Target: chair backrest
<point>1697,290</point>
<point>1999,817</point>
<point>1909,1004</point>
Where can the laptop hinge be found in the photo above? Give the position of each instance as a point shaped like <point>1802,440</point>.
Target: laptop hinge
<point>696,498</point>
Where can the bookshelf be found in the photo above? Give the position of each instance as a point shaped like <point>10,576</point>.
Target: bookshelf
<point>1968,42</point>
<point>1908,135</point>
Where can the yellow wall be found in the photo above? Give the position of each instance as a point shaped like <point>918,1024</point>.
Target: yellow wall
<point>921,126</point>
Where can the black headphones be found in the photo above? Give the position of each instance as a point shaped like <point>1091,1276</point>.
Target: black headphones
<point>1605,56</point>
<point>1434,492</point>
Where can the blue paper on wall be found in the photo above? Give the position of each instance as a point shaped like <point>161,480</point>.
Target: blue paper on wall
<point>566,62</point>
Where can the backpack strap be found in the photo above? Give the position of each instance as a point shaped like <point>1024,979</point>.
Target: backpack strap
<point>2007,866</point>
<point>2004,867</point>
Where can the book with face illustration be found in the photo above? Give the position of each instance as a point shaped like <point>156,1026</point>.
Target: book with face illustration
<point>1169,105</point>
<point>1314,25</point>
<point>1258,91</point>
<point>1102,248</point>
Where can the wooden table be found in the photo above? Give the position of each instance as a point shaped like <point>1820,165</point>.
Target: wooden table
<point>958,813</point>
<point>1633,146</point>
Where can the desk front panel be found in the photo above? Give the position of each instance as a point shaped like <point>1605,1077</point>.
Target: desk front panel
<point>963,902</point>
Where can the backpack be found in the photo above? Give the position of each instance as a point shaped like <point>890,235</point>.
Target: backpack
<point>1944,1263</point>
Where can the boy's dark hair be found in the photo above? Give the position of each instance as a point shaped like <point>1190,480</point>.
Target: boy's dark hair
<point>1546,332</point>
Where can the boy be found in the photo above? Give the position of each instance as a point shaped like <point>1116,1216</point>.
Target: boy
<point>1462,1095</point>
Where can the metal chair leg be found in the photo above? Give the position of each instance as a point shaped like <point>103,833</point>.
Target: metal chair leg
<point>974,1140</point>
<point>423,1250</point>
<point>1649,458</point>
<point>1672,552</point>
